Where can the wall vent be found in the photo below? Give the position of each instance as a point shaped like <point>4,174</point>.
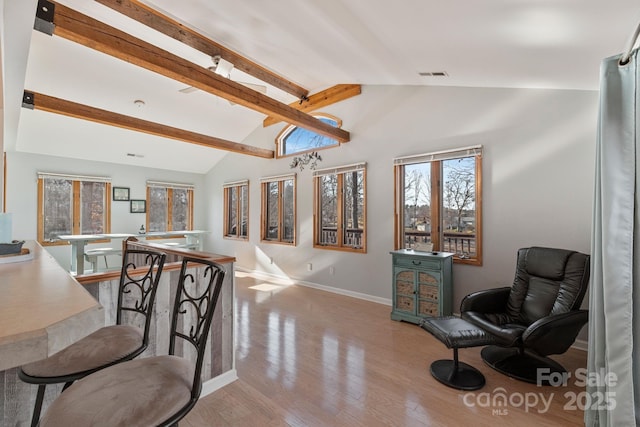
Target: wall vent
<point>433,74</point>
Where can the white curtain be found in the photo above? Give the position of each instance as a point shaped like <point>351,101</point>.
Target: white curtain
<point>613,360</point>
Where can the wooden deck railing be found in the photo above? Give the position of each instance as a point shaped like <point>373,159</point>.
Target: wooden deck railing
<point>462,244</point>
<point>457,243</point>
<point>352,236</point>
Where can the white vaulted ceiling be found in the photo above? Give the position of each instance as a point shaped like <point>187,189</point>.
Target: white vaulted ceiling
<point>316,44</point>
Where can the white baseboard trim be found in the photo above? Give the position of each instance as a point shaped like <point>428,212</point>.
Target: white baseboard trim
<point>218,382</point>
<point>578,344</point>
<point>358,295</point>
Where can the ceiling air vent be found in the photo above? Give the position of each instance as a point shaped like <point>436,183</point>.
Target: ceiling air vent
<point>433,74</point>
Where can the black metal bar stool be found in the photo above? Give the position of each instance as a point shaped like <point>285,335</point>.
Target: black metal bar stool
<point>456,333</point>
<point>152,391</point>
<point>141,271</point>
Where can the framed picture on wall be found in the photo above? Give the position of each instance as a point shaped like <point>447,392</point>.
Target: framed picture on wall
<point>138,206</point>
<point>120,194</point>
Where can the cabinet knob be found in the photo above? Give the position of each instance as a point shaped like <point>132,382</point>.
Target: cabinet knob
<point>414,262</point>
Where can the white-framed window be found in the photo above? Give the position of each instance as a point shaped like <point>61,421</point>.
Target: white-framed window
<point>278,210</point>
<point>236,210</point>
<point>294,140</point>
<point>72,204</point>
<point>169,206</point>
<point>439,202</point>
<point>340,208</point>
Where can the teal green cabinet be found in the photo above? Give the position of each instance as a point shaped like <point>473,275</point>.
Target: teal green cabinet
<point>422,285</point>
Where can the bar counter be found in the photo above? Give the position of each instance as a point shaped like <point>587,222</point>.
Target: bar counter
<point>42,309</point>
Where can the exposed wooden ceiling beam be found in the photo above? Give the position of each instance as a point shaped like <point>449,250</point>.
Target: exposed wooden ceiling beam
<point>79,28</point>
<point>172,28</point>
<point>321,99</point>
<point>39,101</point>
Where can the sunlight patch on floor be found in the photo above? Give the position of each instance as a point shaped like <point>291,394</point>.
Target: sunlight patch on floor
<point>267,287</point>
<point>280,281</point>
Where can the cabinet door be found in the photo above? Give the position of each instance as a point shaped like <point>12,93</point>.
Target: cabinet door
<point>405,290</point>
<point>429,285</point>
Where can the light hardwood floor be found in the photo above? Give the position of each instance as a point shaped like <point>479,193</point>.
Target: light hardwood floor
<point>306,357</point>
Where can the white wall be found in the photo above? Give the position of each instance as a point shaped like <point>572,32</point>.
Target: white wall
<point>538,171</point>
<point>22,193</point>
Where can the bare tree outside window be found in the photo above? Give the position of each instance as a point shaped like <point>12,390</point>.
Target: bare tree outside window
<point>236,211</point>
<point>58,208</point>
<point>92,214</point>
<point>180,209</point>
<point>459,194</point>
<point>329,209</point>
<point>272,210</point>
<point>169,208</point>
<point>279,210</point>
<point>158,212</point>
<point>288,207</point>
<point>72,205</point>
<point>296,140</point>
<point>232,211</point>
<point>354,208</point>
<point>448,218</point>
<point>417,197</point>
<point>340,218</point>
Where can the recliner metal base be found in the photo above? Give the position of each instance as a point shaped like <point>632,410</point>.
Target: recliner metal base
<point>457,375</point>
<point>521,366</point>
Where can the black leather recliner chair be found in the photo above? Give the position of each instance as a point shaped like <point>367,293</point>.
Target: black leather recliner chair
<point>537,316</point>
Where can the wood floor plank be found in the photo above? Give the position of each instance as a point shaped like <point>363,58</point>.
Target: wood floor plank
<point>306,357</point>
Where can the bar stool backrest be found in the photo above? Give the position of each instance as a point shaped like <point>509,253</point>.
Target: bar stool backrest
<point>195,302</point>
<point>141,271</point>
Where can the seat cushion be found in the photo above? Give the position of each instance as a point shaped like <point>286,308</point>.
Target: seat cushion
<point>455,332</point>
<point>100,349</point>
<point>505,333</point>
<point>141,392</point>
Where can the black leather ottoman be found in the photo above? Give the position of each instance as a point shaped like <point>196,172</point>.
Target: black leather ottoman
<point>456,333</point>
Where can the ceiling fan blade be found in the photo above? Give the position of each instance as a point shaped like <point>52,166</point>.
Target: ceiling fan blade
<point>252,86</point>
<point>188,89</point>
<point>257,88</point>
<point>223,68</point>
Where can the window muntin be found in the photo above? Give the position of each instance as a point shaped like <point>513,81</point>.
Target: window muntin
<point>170,207</point>
<point>236,205</point>
<point>69,204</point>
<point>279,210</point>
<point>340,209</point>
<point>296,140</point>
<point>449,217</point>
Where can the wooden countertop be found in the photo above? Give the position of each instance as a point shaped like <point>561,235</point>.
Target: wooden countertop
<point>42,309</point>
